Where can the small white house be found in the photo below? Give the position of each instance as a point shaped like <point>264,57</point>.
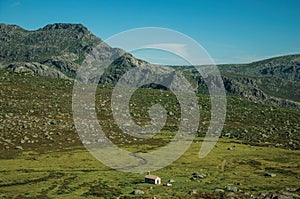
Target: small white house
<point>152,179</point>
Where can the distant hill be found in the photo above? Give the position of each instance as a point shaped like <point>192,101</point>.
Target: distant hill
<point>57,50</point>
<point>286,67</point>
<point>275,80</point>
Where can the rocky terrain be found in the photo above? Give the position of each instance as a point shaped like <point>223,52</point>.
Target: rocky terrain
<point>273,81</point>
<point>57,50</point>
<point>37,112</point>
<point>42,156</point>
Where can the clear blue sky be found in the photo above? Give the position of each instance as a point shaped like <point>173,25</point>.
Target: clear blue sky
<point>232,31</point>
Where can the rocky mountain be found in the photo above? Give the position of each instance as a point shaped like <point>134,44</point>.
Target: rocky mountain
<point>285,67</point>
<point>57,50</point>
<point>274,81</point>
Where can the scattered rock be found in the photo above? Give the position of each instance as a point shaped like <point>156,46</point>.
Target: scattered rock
<point>138,192</point>
<point>7,141</point>
<point>230,187</point>
<point>232,196</point>
<point>193,192</point>
<point>269,174</point>
<point>219,191</point>
<point>9,114</point>
<point>52,122</point>
<point>292,189</point>
<point>168,185</point>
<point>19,147</point>
<point>227,134</point>
<point>199,175</point>
<point>24,126</point>
<point>291,195</point>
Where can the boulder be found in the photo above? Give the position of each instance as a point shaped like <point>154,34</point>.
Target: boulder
<point>138,192</point>
<point>269,174</point>
<point>19,147</point>
<point>193,192</point>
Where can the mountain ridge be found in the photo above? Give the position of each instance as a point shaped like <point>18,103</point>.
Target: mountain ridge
<point>57,50</point>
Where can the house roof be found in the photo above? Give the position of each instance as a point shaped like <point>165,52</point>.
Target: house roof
<point>151,177</point>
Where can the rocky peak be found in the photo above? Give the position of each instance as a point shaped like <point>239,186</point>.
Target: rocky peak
<point>61,26</point>
<point>9,27</point>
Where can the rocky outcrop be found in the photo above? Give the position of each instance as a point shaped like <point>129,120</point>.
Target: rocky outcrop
<point>36,68</point>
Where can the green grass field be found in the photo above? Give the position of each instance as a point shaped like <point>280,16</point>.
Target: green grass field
<point>76,174</point>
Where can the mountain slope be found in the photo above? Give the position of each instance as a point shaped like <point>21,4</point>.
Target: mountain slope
<point>278,77</point>
<point>58,50</point>
<point>275,80</point>
<point>285,67</point>
<point>60,46</point>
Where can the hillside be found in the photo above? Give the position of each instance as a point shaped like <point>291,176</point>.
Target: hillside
<point>285,67</point>
<point>42,155</point>
<point>274,81</point>
<point>57,50</point>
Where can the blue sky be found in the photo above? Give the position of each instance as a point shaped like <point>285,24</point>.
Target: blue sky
<point>231,31</point>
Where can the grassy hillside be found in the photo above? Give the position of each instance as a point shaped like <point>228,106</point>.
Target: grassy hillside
<point>32,105</point>
<point>42,155</point>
